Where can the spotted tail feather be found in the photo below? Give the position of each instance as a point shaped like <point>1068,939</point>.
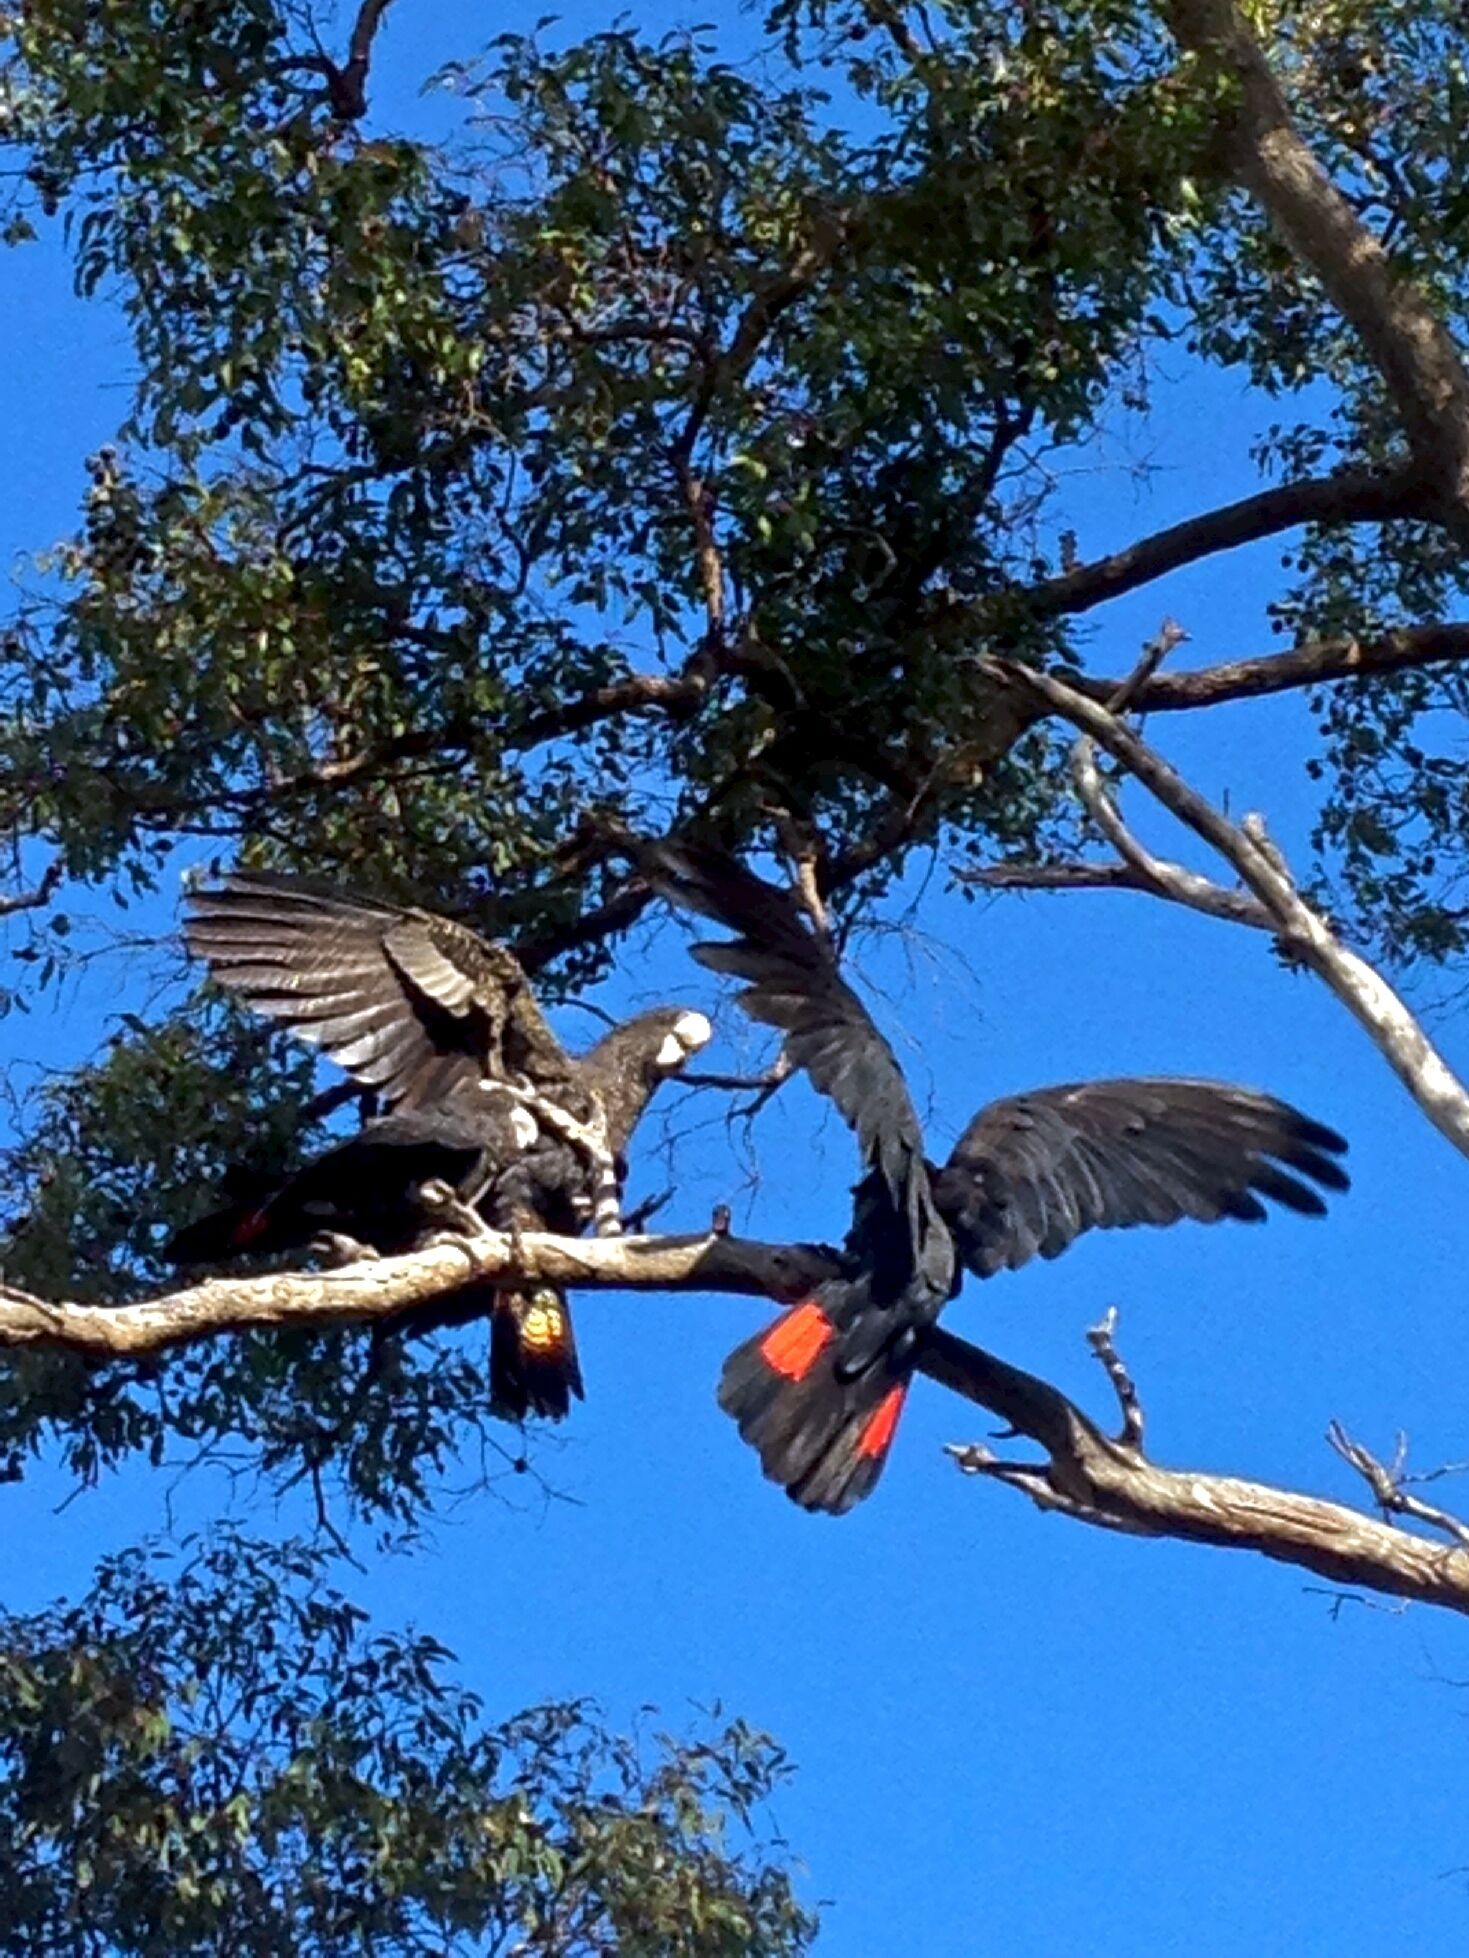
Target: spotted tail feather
<point>534,1367</point>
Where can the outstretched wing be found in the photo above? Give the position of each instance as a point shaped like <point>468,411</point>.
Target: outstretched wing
<point>791,981</point>
<point>1034,1171</point>
<point>408,1003</point>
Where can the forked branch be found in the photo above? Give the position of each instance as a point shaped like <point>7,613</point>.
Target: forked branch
<point>1110,1483</point>
<point>1271,903</point>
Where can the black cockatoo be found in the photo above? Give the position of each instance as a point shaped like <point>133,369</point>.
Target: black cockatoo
<point>479,1094</point>
<point>819,1393</point>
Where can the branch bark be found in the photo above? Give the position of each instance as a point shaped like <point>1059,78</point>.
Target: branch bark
<point>1409,345</point>
<point>1354,496</point>
<point>381,1288</point>
<point>1085,1474</point>
<point>1317,663</point>
<point>39,894</point>
<point>1279,908</point>
<point>1096,1479</point>
<point>349,83</point>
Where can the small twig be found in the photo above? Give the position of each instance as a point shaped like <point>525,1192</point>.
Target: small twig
<point>1386,1484</point>
<point>1157,649</point>
<point>339,1250</point>
<point>443,1201</point>
<point>1341,1599</point>
<point>779,1071</point>
<point>1100,1339</point>
<point>33,899</point>
<point>1437,1474</point>
<point>637,1220</point>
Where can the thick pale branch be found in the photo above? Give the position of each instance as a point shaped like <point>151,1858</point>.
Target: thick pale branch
<point>1306,935</point>
<point>384,1287</point>
<point>1110,1484</point>
<point>1157,874</point>
<point>1403,337</point>
<point>1087,1475</point>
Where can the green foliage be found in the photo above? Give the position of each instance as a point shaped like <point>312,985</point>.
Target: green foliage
<point>753,384</point>
<point>213,1754</point>
<point>418,442</point>
<point>659,447</point>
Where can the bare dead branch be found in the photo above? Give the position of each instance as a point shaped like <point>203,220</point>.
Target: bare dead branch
<point>1168,636</point>
<point>1284,912</point>
<point>1235,907</point>
<point>1102,1340</point>
<point>1110,1485</point>
<point>779,1070</point>
<point>1157,874</point>
<point>1388,1485</point>
<point>383,1287</point>
<point>1085,1475</point>
<point>1020,874</point>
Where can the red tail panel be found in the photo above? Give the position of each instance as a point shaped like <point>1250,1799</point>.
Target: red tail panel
<point>881,1425</point>
<point>249,1228</point>
<point>795,1343</point>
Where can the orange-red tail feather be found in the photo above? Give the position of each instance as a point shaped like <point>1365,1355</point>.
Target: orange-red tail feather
<point>822,1436</point>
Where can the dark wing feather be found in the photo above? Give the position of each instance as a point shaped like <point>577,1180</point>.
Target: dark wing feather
<point>792,983</point>
<point>408,1003</point>
<point>1034,1171</point>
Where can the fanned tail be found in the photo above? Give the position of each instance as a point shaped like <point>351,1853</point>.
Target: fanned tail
<point>822,1435</point>
<point>533,1363</point>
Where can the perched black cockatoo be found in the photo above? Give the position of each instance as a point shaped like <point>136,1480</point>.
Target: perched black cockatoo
<point>444,1027</point>
<point>820,1392</point>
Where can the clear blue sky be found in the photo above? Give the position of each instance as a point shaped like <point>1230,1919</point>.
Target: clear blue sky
<point>1013,1734</point>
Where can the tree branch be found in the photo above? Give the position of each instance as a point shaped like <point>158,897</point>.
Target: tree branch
<point>1086,1475</point>
<point>1354,496</point>
<point>1110,1484</point>
<point>1404,339</point>
<point>1281,908</point>
<point>348,84</point>
<point>1315,664</point>
<point>380,1288</point>
<point>31,900</point>
<point>1387,1484</point>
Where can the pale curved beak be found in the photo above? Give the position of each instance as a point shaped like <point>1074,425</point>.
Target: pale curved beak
<point>690,1032</point>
